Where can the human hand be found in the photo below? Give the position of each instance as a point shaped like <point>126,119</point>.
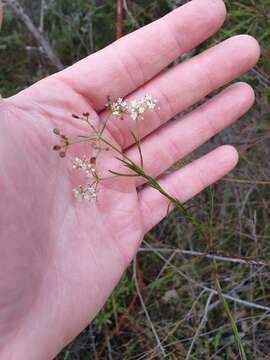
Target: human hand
<point>60,259</point>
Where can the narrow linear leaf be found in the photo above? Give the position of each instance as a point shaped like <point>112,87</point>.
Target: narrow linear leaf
<point>138,144</point>
<point>168,208</point>
<point>119,174</point>
<point>87,137</point>
<point>103,128</point>
<point>236,334</point>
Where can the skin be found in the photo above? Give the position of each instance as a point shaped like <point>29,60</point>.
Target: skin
<point>59,258</point>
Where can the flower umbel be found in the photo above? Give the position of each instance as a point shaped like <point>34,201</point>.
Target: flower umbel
<point>140,107</point>
<point>135,109</point>
<point>86,165</point>
<point>88,192</point>
<point>119,108</point>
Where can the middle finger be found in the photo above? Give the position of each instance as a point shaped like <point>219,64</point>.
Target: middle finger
<point>187,83</point>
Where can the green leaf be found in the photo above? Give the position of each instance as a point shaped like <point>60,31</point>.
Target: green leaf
<point>86,137</point>
<point>236,334</point>
<point>119,174</point>
<point>103,128</point>
<point>138,144</point>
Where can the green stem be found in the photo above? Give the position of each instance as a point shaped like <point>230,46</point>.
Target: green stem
<point>140,172</point>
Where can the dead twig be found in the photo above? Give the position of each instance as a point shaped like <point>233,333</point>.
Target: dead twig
<point>42,14</point>
<point>247,181</point>
<point>133,20</point>
<point>206,288</point>
<point>201,325</point>
<point>159,345</point>
<point>219,257</point>
<point>39,37</point>
<point>124,317</point>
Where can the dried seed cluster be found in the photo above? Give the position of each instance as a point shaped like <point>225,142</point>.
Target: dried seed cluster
<point>64,143</point>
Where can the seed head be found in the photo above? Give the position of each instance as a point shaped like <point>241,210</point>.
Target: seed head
<point>62,154</point>
<point>56,131</point>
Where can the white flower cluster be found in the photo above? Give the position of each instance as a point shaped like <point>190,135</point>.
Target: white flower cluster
<point>119,107</point>
<point>140,107</point>
<point>135,110</point>
<point>85,165</point>
<point>88,166</point>
<point>89,192</point>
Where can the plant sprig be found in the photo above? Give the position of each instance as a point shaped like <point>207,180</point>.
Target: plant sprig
<point>118,109</point>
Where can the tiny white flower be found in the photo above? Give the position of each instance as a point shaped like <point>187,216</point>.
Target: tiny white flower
<point>77,163</point>
<point>85,165</point>
<point>141,106</point>
<point>134,116</point>
<point>119,107</point>
<point>151,103</point>
<point>87,193</point>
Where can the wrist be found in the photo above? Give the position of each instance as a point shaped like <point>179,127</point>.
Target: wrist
<point>26,349</point>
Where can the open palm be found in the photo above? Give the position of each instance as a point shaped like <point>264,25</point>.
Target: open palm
<point>59,258</point>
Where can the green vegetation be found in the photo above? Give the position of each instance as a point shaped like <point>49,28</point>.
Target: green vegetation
<point>180,290</point>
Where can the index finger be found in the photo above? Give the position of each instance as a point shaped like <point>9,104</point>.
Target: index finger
<point>128,63</point>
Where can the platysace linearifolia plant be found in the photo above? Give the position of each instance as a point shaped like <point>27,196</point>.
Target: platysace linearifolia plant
<point>120,109</point>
